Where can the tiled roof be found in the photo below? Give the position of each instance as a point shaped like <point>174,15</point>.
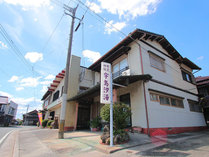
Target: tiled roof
<point>201,80</point>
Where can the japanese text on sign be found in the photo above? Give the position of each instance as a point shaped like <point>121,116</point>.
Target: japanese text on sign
<point>105,83</point>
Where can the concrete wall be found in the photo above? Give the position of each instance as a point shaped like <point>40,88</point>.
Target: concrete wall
<point>73,88</point>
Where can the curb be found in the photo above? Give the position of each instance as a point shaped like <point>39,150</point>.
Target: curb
<point>16,146</point>
<point>109,150</point>
<point>5,136</point>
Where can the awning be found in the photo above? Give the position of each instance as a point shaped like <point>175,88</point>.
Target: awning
<point>122,80</point>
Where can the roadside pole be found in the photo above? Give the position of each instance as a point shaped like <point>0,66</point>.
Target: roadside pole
<point>106,96</point>
<point>111,112</point>
<point>64,96</point>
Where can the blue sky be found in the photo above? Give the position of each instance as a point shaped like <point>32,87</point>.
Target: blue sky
<point>31,26</point>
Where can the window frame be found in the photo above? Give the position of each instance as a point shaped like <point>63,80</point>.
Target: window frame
<point>169,98</point>
<point>54,99</point>
<point>119,72</point>
<point>194,103</point>
<point>185,75</point>
<point>157,58</point>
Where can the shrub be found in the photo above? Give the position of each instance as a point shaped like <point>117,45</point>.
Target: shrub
<point>50,123</point>
<point>120,114</point>
<point>44,123</point>
<point>20,123</point>
<point>96,122</point>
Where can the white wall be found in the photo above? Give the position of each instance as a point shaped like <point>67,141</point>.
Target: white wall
<point>59,87</point>
<point>172,74</point>
<point>137,103</point>
<point>168,116</point>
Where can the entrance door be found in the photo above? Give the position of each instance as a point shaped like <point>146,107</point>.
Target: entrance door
<point>126,100</point>
<point>52,115</point>
<point>83,117</point>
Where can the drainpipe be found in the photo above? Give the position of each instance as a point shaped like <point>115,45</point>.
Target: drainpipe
<point>145,98</point>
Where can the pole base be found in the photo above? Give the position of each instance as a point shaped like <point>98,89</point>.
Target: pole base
<point>61,129</point>
<point>61,135</point>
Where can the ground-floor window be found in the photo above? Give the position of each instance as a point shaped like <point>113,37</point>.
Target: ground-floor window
<point>194,106</point>
<point>165,99</point>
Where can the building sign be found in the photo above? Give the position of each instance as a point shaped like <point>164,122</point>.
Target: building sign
<point>105,83</point>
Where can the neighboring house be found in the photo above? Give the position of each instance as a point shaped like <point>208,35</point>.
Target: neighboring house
<point>203,85</point>
<point>52,99</point>
<point>159,86</point>
<point>8,110</point>
<point>30,118</point>
<point>203,89</point>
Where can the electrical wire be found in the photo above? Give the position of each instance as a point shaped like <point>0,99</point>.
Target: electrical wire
<point>103,20</point>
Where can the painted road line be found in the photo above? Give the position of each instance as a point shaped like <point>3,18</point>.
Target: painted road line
<point>5,136</point>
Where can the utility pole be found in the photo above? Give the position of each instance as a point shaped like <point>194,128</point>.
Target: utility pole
<point>64,96</point>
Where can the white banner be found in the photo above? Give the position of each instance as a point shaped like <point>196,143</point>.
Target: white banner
<point>105,91</point>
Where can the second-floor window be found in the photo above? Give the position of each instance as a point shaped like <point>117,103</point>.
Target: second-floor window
<point>186,76</point>
<point>120,67</point>
<point>56,95</point>
<point>157,62</point>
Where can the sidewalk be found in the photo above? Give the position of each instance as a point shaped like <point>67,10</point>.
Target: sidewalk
<point>79,142</point>
<point>44,142</point>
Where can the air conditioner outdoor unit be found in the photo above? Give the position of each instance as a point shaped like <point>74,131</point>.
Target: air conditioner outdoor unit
<point>126,73</point>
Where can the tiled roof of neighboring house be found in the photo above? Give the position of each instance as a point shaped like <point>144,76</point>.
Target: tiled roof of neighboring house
<point>142,35</point>
<point>3,100</point>
<point>31,112</point>
<point>54,84</point>
<point>202,80</point>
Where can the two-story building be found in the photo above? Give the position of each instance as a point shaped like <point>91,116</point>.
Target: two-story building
<point>203,85</point>
<point>52,99</point>
<point>8,110</point>
<point>157,81</point>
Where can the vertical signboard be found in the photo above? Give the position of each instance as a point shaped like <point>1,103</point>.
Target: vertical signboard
<point>105,97</point>
<point>106,93</point>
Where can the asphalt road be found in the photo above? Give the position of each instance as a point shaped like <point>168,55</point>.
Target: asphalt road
<point>5,130</point>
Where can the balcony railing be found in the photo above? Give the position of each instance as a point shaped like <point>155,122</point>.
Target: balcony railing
<point>117,74</point>
<point>54,103</point>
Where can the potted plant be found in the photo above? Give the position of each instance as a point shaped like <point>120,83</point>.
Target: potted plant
<point>95,124</point>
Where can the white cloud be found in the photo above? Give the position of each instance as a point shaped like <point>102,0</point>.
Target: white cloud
<point>19,88</point>
<point>3,45</point>
<point>200,58</point>
<point>51,7</point>
<point>94,7</point>
<point>35,19</point>
<point>131,8</point>
<point>114,27</point>
<point>29,4</point>
<point>45,82</point>
<point>91,55</point>
<point>5,94</point>
<point>13,79</point>
<point>34,56</point>
<point>44,89</point>
<point>49,77</point>
<point>29,82</point>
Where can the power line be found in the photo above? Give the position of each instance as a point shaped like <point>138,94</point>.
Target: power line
<point>111,25</point>
<point>15,49</point>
